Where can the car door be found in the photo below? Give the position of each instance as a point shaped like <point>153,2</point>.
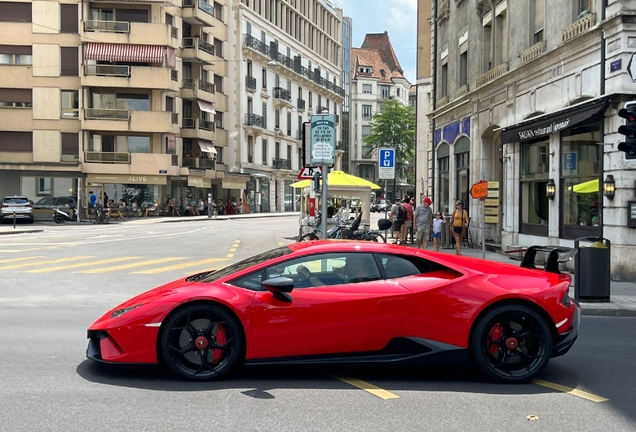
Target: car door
<point>339,303</point>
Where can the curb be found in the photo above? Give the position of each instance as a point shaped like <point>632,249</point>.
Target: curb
<point>232,217</point>
<point>21,231</point>
<point>608,312</point>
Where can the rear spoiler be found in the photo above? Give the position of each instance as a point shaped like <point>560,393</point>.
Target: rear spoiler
<point>552,261</point>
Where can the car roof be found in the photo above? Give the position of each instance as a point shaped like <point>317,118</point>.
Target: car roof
<point>322,246</point>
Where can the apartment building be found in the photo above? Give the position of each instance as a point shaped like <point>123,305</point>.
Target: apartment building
<point>285,66</point>
<point>376,77</point>
<point>526,96</point>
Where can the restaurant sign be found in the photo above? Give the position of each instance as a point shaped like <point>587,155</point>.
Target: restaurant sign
<point>125,179</point>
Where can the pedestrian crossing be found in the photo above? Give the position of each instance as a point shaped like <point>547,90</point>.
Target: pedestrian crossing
<point>90,265</point>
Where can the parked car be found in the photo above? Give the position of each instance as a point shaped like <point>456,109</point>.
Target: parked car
<point>18,205</point>
<point>379,206</point>
<point>347,302</point>
<point>43,209</point>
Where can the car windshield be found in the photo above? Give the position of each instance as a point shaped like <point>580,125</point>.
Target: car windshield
<point>46,201</point>
<point>241,265</point>
<point>16,200</point>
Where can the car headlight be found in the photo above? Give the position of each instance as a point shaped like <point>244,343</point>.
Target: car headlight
<point>119,312</point>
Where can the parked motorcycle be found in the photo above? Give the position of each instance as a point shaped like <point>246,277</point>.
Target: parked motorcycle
<point>60,216</point>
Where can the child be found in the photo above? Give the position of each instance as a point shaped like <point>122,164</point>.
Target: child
<point>437,230</point>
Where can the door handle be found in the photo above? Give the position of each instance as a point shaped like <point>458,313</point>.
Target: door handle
<point>391,301</point>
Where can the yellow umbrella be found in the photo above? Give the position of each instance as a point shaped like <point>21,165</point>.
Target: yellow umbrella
<point>590,186</point>
<point>339,178</point>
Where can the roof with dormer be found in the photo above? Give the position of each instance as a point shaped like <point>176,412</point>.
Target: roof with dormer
<point>376,59</point>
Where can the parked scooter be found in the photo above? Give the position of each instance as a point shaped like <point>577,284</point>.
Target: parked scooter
<point>60,216</point>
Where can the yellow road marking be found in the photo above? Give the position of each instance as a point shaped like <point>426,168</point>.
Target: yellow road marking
<point>370,388</point>
<point>92,263</point>
<point>281,244</point>
<point>32,264</point>
<point>233,250</point>
<point>179,266</point>
<point>20,250</point>
<point>20,259</point>
<point>572,391</point>
<point>132,265</point>
<point>230,255</point>
<point>237,241</point>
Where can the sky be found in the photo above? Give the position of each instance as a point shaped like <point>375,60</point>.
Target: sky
<point>398,17</point>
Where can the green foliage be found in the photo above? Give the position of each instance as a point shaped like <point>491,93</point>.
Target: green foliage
<point>394,127</point>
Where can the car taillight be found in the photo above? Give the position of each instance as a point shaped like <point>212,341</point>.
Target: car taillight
<point>5,205</point>
<point>27,205</point>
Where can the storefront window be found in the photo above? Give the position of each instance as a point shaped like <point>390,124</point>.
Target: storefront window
<point>444,183</point>
<point>264,197</point>
<point>289,196</point>
<point>580,172</point>
<point>461,164</point>
<point>535,171</point>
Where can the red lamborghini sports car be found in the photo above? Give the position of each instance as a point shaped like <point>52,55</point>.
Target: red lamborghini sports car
<point>344,302</point>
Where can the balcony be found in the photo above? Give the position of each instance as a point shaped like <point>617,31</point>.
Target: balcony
<point>165,3</point>
<point>198,128</point>
<point>197,89</point>
<point>197,51</point>
<point>578,27</point>
<point>262,50</point>
<point>279,163</point>
<point>122,76</point>
<point>492,74</point>
<point>198,12</point>
<point>199,163</point>
<point>122,120</point>
<point>129,163</point>
<point>282,98</point>
<point>300,104</point>
<point>250,83</point>
<point>254,122</point>
<point>533,52</point>
<point>123,32</point>
<point>443,10</point>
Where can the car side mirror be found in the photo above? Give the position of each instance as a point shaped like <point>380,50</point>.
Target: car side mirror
<point>280,287</point>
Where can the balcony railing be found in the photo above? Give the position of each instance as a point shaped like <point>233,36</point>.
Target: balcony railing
<point>106,114</point>
<point>174,32</point>
<point>207,164</point>
<point>492,74</point>
<point>174,74</point>
<point>300,103</point>
<point>281,93</point>
<point>533,52</point>
<point>204,6</point>
<point>107,157</point>
<point>250,82</point>
<point>578,27</point>
<point>281,163</point>
<point>192,42</point>
<point>192,123</point>
<point>174,159</point>
<point>199,163</point>
<point>251,42</point>
<point>255,120</point>
<point>107,70</point>
<point>107,26</point>
<point>174,117</point>
<point>191,83</point>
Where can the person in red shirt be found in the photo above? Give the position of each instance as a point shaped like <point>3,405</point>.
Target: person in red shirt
<point>406,227</point>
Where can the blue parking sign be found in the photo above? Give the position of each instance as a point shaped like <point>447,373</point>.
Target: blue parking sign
<point>386,163</point>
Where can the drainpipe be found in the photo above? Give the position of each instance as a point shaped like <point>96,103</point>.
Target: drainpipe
<point>433,95</point>
<point>602,126</point>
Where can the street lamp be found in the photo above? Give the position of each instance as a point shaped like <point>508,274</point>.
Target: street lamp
<point>550,189</point>
<point>609,187</point>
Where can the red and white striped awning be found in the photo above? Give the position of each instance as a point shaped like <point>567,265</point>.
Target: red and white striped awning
<point>124,52</point>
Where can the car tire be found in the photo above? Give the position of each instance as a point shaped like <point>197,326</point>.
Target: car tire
<point>202,342</point>
<point>511,343</point>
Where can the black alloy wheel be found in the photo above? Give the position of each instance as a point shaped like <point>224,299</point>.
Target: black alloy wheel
<point>202,342</point>
<point>308,237</point>
<point>511,343</point>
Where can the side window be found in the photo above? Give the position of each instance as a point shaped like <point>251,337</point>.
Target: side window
<point>395,266</point>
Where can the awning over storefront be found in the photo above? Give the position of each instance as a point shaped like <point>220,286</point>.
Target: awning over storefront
<point>233,183</point>
<point>551,123</point>
<point>207,147</point>
<point>206,106</point>
<point>199,182</point>
<point>125,179</point>
<point>124,52</point>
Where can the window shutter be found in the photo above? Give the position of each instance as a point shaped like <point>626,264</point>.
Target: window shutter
<point>70,60</point>
<point>68,19</point>
<point>70,144</point>
<point>16,49</point>
<point>15,95</point>
<point>16,141</point>
<point>539,15</point>
<point>15,12</point>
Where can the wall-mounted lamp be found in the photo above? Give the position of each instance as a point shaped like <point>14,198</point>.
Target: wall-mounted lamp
<point>550,189</point>
<point>609,187</point>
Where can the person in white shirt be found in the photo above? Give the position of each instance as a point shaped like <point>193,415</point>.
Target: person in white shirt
<point>438,222</point>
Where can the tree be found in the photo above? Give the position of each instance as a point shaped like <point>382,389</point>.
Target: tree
<point>394,127</point>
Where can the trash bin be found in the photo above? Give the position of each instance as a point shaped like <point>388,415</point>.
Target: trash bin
<point>592,270</point>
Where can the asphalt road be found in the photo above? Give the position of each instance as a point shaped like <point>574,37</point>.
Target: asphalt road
<point>54,284</point>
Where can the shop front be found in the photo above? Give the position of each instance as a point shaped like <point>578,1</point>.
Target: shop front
<point>145,189</point>
<point>560,165</point>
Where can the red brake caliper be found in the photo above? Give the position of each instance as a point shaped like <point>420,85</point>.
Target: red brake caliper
<point>495,335</point>
<point>220,339</point>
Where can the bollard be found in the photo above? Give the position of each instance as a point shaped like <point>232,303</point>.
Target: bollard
<point>14,220</point>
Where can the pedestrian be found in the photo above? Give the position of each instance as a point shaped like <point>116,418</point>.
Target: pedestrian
<point>92,199</point>
<point>438,222</point>
<point>460,225</point>
<point>423,220</point>
<point>397,220</point>
<point>406,226</point>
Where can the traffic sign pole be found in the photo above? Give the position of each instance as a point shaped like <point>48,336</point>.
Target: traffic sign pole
<point>324,201</point>
<point>483,228</point>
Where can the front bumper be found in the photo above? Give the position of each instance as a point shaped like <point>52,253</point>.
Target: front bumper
<point>566,340</point>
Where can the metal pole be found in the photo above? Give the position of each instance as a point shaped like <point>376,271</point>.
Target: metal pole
<point>78,210</point>
<point>325,169</point>
<point>483,228</point>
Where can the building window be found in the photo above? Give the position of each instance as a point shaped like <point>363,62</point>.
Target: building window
<point>539,20</point>
<point>45,185</point>
<point>289,124</point>
<point>250,149</point>
<point>444,81</point>
<point>70,61</point>
<point>463,69</point>
<point>218,11</point>
<point>289,153</point>
<point>16,54</point>
<point>264,151</point>
<point>535,172</point>
<point>264,79</point>
<point>367,88</point>
<point>219,154</point>
<point>310,100</point>
<point>366,112</point>
<point>16,98</point>
<point>218,47</point>
<point>486,61</point>
<point>16,12</point>
<point>580,167</point>
<point>218,120</point>
<point>443,163</point>
<point>366,131</point>
<point>398,92</point>
<point>119,144</point>
<point>218,83</point>
<point>462,174</point>
<point>277,119</point>
<point>584,7</point>
<point>70,104</point>
<point>385,92</point>
<point>68,18</point>
<point>70,146</point>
